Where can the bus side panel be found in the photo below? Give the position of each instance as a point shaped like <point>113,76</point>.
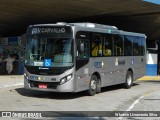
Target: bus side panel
<point>139,67</point>
<point>103,66</point>
<point>109,73</point>
<point>107,77</point>
<point>82,77</point>
<point>112,70</point>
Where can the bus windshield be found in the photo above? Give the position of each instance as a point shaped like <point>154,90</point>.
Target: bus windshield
<point>49,52</point>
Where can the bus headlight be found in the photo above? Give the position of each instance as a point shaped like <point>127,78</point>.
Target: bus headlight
<point>25,75</point>
<point>65,79</point>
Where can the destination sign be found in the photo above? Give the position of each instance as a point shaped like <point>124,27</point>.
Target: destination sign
<point>48,30</point>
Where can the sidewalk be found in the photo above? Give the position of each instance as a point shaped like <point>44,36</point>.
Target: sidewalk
<point>10,80</point>
<point>150,78</point>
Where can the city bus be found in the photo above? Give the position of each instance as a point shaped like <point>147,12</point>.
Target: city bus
<point>74,57</point>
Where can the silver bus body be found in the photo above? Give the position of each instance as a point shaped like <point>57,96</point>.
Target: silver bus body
<point>109,70</point>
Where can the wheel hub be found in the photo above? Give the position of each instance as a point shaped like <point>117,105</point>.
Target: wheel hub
<point>93,85</point>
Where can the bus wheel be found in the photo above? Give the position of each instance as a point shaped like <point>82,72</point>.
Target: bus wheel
<point>92,85</point>
<point>129,80</point>
<point>98,87</point>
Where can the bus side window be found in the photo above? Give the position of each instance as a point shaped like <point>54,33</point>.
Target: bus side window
<point>82,43</point>
<point>94,49</point>
<point>83,49</point>
<point>96,45</point>
<point>128,45</point>
<point>118,45</point>
<point>137,46</point>
<point>107,46</point>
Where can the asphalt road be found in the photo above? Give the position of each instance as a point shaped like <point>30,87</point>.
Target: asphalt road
<point>143,96</point>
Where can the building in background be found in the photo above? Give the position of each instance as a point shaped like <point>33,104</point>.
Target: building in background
<point>13,46</point>
<point>152,67</point>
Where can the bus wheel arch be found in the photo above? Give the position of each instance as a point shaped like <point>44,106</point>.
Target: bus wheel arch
<point>129,79</point>
<point>130,69</point>
<point>95,84</point>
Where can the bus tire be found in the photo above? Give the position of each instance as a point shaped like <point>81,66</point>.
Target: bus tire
<point>93,85</point>
<point>129,80</point>
<point>98,87</point>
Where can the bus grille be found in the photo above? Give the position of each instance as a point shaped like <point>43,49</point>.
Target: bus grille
<point>50,85</point>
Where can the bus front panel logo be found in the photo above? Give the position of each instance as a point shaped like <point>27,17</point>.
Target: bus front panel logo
<point>35,31</point>
<point>99,64</point>
<point>39,78</point>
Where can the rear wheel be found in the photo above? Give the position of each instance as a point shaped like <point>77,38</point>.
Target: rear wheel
<point>93,85</point>
<point>129,80</point>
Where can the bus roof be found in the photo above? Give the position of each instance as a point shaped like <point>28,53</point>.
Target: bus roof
<point>87,24</point>
<point>132,33</point>
<point>92,26</point>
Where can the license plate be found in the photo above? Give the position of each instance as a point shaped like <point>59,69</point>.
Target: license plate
<point>44,86</point>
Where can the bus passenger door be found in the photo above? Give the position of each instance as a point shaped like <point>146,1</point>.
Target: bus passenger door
<point>82,66</point>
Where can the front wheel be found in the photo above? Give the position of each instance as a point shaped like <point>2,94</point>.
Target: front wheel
<point>129,80</point>
<point>93,85</point>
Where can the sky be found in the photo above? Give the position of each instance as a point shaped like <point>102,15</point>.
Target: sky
<point>153,1</point>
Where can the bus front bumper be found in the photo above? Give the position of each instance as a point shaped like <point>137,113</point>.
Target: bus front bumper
<point>51,87</point>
